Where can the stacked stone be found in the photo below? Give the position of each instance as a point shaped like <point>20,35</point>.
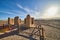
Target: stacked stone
<point>29,21</point>
<point>10,21</point>
<point>16,21</point>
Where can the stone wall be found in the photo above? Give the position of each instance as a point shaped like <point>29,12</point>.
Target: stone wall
<point>16,20</point>
<point>29,21</point>
<point>11,21</point>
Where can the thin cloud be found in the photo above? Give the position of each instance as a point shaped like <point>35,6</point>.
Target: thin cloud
<point>24,8</point>
<point>6,12</point>
<point>17,12</point>
<point>19,6</point>
<point>33,13</point>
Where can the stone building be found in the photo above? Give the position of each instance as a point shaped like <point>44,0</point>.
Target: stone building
<point>16,20</point>
<point>19,21</point>
<point>29,21</point>
<point>11,21</point>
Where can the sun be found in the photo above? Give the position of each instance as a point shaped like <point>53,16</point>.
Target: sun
<point>51,12</point>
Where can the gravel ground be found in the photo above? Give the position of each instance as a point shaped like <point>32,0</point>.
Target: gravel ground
<point>51,34</point>
<point>14,37</point>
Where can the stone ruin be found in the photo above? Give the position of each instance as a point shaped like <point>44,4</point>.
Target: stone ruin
<point>28,21</point>
<point>11,21</point>
<point>15,21</point>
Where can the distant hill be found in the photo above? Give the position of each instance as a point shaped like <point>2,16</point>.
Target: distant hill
<point>48,20</point>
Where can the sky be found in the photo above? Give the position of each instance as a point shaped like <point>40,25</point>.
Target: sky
<point>39,9</point>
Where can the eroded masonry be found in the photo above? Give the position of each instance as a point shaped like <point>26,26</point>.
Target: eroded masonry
<point>28,21</point>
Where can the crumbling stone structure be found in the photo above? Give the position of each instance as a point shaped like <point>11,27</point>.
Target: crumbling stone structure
<point>11,21</point>
<point>16,20</point>
<point>19,21</point>
<point>29,21</point>
<point>16,23</point>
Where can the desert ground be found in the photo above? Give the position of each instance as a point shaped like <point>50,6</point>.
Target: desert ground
<point>52,32</point>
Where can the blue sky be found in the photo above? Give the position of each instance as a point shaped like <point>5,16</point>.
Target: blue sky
<point>36,8</point>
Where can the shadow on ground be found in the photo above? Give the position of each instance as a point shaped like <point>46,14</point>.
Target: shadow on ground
<point>23,27</point>
<point>16,33</point>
